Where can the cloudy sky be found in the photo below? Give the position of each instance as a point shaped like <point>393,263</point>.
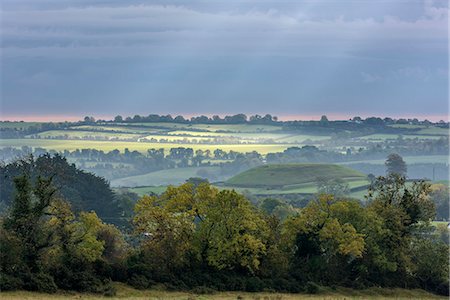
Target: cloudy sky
<point>303,58</point>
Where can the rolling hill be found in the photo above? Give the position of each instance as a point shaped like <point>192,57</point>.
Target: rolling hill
<point>292,176</point>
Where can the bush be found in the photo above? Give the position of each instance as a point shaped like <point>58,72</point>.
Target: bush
<point>254,284</point>
<point>41,282</point>
<point>312,287</point>
<point>139,282</point>
<point>10,283</point>
<point>203,290</point>
<point>109,290</point>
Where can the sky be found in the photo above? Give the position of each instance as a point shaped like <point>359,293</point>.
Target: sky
<point>63,59</point>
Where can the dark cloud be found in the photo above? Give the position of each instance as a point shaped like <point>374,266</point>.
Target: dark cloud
<point>106,57</point>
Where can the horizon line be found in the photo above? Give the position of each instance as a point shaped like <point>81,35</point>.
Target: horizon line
<point>281,117</point>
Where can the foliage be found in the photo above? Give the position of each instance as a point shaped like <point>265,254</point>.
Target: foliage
<point>83,190</point>
<point>395,165</point>
<point>195,237</point>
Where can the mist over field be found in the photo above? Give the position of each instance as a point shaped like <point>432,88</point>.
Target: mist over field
<point>224,149</point>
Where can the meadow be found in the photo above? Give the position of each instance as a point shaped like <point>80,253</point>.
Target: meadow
<point>292,175</point>
<point>264,180</point>
<point>71,145</point>
<point>168,177</point>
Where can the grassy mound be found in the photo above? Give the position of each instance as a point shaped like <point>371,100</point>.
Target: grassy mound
<point>290,175</point>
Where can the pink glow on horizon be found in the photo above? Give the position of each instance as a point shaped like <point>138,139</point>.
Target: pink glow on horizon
<point>281,117</point>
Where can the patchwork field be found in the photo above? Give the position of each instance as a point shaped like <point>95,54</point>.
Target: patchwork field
<point>71,145</point>
<point>383,137</point>
<point>167,177</point>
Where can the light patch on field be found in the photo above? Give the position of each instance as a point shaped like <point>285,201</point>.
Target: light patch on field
<point>168,177</point>
<point>81,134</point>
<point>382,137</point>
<point>428,159</point>
<point>71,145</point>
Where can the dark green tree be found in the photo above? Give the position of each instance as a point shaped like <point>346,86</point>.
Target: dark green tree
<point>395,165</point>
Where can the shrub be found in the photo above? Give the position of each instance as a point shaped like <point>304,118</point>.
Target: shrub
<point>41,282</point>
<point>139,282</point>
<point>312,287</point>
<point>10,283</point>
<point>203,290</point>
<point>109,290</point>
<point>254,284</point>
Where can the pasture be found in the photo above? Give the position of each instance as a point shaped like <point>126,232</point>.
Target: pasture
<point>383,137</point>
<point>419,159</point>
<point>292,175</point>
<point>19,125</point>
<point>71,145</point>
<point>168,177</point>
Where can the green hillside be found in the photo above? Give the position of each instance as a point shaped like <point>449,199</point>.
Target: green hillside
<point>167,177</point>
<point>292,175</point>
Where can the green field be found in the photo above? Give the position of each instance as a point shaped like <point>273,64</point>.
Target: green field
<point>428,159</point>
<point>309,188</point>
<point>167,177</point>
<point>123,129</point>
<point>434,130</point>
<point>383,137</point>
<point>290,176</point>
<point>423,129</point>
<point>72,134</point>
<point>71,145</point>
<point>408,126</point>
<point>19,125</point>
<point>208,127</point>
<point>126,292</point>
<point>145,190</point>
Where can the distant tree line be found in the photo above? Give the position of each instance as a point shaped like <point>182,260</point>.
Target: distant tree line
<point>261,119</point>
<point>195,237</point>
<point>233,119</point>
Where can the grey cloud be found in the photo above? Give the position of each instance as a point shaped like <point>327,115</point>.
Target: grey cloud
<point>157,28</point>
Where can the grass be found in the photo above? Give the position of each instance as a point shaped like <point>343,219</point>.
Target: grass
<point>19,125</point>
<point>426,159</point>
<point>407,126</point>
<point>127,129</point>
<point>72,134</point>
<point>436,223</point>
<point>167,177</point>
<point>285,175</point>
<point>71,145</point>
<point>434,130</point>
<point>209,127</point>
<point>383,137</point>
<point>126,292</point>
<point>145,190</point>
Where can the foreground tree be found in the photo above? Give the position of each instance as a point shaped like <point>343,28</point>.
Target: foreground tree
<point>45,248</point>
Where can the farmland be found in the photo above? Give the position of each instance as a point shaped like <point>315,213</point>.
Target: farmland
<point>71,145</point>
<point>205,139</point>
<point>167,177</point>
<point>291,175</point>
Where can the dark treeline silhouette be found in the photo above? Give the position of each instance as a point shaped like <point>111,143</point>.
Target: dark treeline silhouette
<point>83,190</point>
<point>259,119</point>
<point>233,119</point>
<point>196,237</point>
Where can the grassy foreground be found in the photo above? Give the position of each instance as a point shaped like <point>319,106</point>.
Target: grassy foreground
<point>126,292</point>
